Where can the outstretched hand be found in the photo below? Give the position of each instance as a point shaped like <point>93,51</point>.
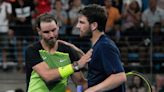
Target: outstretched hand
<point>85,59</point>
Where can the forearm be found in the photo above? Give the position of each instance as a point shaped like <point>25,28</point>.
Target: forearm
<point>51,75</point>
<point>48,74</point>
<point>79,51</point>
<point>110,83</point>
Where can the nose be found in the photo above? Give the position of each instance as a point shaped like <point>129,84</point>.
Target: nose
<point>77,25</point>
<point>51,34</point>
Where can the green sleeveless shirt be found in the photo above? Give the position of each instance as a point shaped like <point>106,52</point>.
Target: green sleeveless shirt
<point>58,59</point>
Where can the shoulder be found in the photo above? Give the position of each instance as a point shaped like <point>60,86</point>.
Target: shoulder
<point>63,47</point>
<point>34,46</point>
<point>106,41</point>
<point>107,44</point>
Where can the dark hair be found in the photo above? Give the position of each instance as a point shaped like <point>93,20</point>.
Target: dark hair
<point>95,13</point>
<point>46,17</point>
<point>137,9</point>
<point>56,2</point>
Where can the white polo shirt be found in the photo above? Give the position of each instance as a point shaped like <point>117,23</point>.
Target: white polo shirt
<point>151,18</point>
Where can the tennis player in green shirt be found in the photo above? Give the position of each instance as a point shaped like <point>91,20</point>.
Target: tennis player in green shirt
<point>50,62</point>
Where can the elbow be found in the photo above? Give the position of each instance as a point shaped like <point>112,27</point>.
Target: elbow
<point>123,78</point>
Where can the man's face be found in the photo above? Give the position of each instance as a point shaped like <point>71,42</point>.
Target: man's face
<point>153,4</point>
<point>49,32</point>
<point>84,27</point>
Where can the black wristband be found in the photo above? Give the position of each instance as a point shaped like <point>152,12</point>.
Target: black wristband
<point>76,67</point>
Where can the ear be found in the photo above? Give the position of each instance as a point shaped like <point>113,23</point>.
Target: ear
<point>94,26</point>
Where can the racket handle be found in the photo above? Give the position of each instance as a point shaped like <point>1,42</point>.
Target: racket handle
<point>79,88</point>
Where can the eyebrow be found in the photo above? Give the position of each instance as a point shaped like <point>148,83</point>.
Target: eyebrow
<point>80,21</point>
<point>46,31</point>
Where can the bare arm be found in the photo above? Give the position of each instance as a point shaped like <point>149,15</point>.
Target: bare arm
<point>77,77</point>
<point>109,83</point>
<point>46,73</point>
<point>53,74</point>
<point>79,51</point>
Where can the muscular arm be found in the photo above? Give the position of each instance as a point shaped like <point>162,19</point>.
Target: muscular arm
<point>46,73</point>
<point>109,83</point>
<point>78,51</point>
<point>77,77</point>
<point>53,74</point>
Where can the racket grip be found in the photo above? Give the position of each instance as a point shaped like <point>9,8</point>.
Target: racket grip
<point>79,88</point>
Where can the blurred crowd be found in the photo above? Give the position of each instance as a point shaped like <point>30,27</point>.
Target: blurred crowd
<point>137,84</point>
<point>135,24</point>
<point>137,27</point>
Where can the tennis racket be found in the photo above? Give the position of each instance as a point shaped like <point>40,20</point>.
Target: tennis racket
<point>146,81</point>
